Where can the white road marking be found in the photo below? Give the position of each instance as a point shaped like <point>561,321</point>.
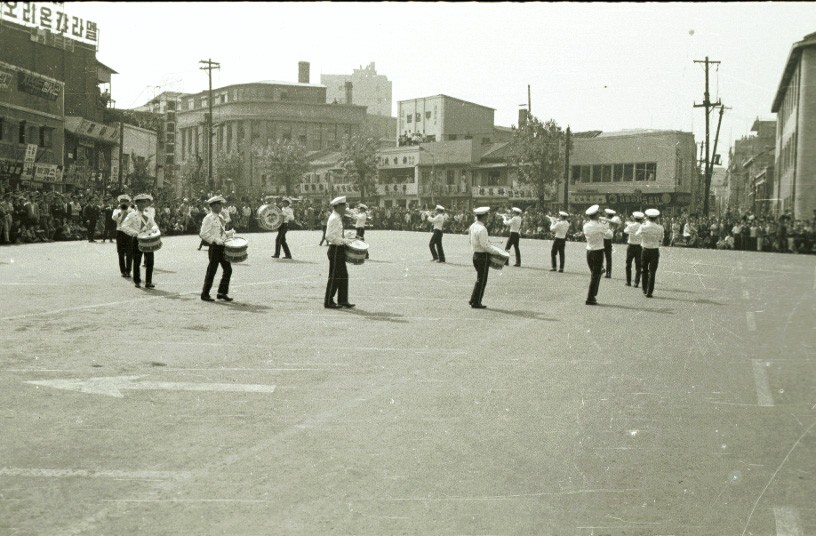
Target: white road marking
<point>787,522</point>
<point>67,473</point>
<point>750,318</point>
<point>763,386</point>
<point>112,386</point>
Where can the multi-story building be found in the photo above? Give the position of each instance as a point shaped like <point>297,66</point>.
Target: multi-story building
<point>164,106</point>
<point>795,106</point>
<point>750,186</point>
<point>51,56</point>
<point>444,118</point>
<point>248,117</point>
<point>370,89</point>
<point>634,169</point>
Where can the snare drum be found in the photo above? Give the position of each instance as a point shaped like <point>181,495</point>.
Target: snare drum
<point>498,260</point>
<point>235,249</point>
<point>150,241</point>
<point>356,252</point>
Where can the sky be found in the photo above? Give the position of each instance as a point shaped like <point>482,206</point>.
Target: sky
<point>590,66</point>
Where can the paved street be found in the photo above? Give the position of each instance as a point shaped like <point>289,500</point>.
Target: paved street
<point>127,411</point>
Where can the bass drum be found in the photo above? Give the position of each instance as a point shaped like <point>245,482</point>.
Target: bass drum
<point>269,217</point>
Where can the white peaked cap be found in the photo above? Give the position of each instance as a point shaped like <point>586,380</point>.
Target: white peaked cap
<point>516,209</point>
<point>591,211</point>
<point>440,207</point>
<point>652,212</point>
<point>610,211</point>
<point>481,210</point>
<point>143,197</point>
<point>562,213</point>
<point>338,200</point>
<point>215,199</point>
<point>637,214</point>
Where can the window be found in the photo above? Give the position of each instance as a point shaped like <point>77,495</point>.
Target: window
<point>617,173</point>
<point>410,118</point>
<point>451,137</point>
<point>46,137</point>
<point>640,171</point>
<point>171,127</point>
<point>418,117</point>
<point>21,132</point>
<point>171,106</point>
<point>169,159</point>
<point>606,173</point>
<point>576,174</point>
<point>171,137</point>
<point>651,171</point>
<point>628,172</point>
<point>427,115</point>
<point>451,176</point>
<point>597,173</point>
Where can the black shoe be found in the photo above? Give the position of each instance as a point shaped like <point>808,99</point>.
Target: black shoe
<point>478,306</point>
<point>636,285</point>
<point>206,297</point>
<point>276,256</point>
<point>138,285</point>
<point>561,270</point>
<point>199,248</point>
<point>648,295</point>
<point>552,269</point>
<point>628,284</point>
<point>347,305</point>
<point>442,260</point>
<point>223,297</point>
<point>331,305</point>
<point>517,265</point>
<point>287,257</point>
<point>125,275</point>
<point>591,302</point>
<point>434,260</point>
<point>607,276</point>
<point>150,285</point>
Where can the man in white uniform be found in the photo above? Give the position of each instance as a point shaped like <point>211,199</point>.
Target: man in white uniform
<point>438,221</point>
<point>594,231</point>
<point>612,222</point>
<point>559,228</point>
<point>338,274</point>
<point>288,216</point>
<point>633,247</point>
<point>122,239</point>
<point>213,232</point>
<point>482,249</point>
<point>360,216</point>
<point>515,226</point>
<point>136,222</point>
<point>651,234</point>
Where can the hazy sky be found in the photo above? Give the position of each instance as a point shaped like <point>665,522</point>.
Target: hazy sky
<point>596,66</point>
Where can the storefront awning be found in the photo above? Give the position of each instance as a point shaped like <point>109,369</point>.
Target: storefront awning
<point>83,128</point>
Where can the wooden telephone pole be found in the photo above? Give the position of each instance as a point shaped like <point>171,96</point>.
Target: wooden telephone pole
<point>708,105</point>
<point>209,65</point>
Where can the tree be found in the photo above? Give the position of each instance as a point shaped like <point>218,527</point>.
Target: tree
<point>537,153</point>
<point>229,166</point>
<point>140,179</point>
<point>284,163</point>
<point>359,159</point>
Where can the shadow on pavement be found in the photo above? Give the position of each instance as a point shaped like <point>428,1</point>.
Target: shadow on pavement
<point>243,307</point>
<point>523,314</point>
<point>378,316</point>
<point>293,261</point>
<point>662,310</point>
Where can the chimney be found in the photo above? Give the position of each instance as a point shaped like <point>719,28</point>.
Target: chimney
<point>348,92</point>
<point>303,72</point>
<point>522,118</point>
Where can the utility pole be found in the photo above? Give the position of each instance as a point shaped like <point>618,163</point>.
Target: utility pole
<point>529,101</point>
<point>209,65</point>
<point>567,144</point>
<point>707,104</point>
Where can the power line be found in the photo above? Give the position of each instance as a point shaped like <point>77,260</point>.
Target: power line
<point>708,105</point>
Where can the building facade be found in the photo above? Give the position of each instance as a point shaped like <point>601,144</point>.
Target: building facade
<point>49,55</point>
<point>443,118</point>
<point>165,106</point>
<point>795,106</point>
<point>633,170</point>
<point>750,176</point>
<point>370,89</point>
<point>249,117</point>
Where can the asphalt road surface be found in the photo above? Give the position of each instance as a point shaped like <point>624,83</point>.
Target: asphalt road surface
<point>126,411</point>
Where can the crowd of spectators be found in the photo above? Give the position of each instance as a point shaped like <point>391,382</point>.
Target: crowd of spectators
<point>28,216</point>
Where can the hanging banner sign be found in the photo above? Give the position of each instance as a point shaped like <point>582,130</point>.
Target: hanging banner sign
<point>39,86</point>
<point>5,79</point>
<point>45,172</point>
<point>50,16</point>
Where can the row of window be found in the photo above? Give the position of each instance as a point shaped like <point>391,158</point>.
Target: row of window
<point>636,172</point>
<point>417,117</point>
<point>24,132</point>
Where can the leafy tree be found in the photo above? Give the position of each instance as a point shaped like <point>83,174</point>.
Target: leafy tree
<point>229,166</point>
<point>359,160</point>
<point>284,163</point>
<point>140,179</point>
<point>537,153</point>
<point>193,174</point>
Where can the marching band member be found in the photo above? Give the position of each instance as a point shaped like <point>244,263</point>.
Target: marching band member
<point>515,225</point>
<point>338,274</point>
<point>122,239</point>
<point>611,221</point>
<point>288,215</point>
<point>140,221</point>
<point>559,227</point>
<point>438,222</point>
<point>633,249</point>
<point>213,232</point>
<point>481,248</point>
<point>652,234</point>
<point>594,231</point>
<point>360,216</point>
